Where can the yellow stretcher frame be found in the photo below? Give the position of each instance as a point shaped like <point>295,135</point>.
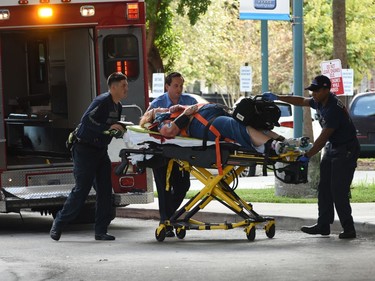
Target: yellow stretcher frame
<point>198,160</point>
<point>216,187</point>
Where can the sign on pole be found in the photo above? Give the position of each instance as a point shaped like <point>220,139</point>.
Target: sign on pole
<point>264,10</point>
<point>332,69</point>
<point>246,80</point>
<point>348,80</point>
<point>157,84</point>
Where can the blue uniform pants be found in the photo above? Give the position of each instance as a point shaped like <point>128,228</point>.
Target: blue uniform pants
<point>336,174</point>
<point>179,183</point>
<point>92,167</point>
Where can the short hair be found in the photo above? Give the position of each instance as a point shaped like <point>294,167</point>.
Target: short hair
<point>168,79</point>
<point>115,77</point>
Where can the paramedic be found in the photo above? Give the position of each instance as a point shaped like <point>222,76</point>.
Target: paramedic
<point>92,166</point>
<point>169,201</point>
<point>339,161</point>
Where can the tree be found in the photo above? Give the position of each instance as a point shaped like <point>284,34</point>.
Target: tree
<point>218,43</point>
<point>339,31</point>
<point>359,34</point>
<point>162,44</point>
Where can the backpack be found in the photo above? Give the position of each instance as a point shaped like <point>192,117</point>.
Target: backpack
<point>257,112</point>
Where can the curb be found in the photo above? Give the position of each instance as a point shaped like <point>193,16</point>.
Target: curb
<point>282,222</point>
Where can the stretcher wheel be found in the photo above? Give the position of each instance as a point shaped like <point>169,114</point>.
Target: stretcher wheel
<point>250,232</point>
<point>180,233</point>
<point>270,232</point>
<point>160,233</point>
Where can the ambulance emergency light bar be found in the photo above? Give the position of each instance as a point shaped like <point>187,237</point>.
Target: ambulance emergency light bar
<point>33,2</point>
<point>132,10</point>
<point>41,1</point>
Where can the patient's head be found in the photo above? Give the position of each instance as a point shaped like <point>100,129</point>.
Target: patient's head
<point>149,116</point>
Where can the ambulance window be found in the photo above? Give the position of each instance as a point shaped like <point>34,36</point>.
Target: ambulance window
<point>121,55</point>
<point>41,49</point>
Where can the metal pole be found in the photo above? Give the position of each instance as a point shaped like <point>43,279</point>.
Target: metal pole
<point>298,63</point>
<point>264,50</point>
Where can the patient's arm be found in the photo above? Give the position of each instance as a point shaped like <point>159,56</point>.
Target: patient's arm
<point>169,129</point>
<point>172,129</point>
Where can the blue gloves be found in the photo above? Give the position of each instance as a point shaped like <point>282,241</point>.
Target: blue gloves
<point>304,160</point>
<point>270,96</point>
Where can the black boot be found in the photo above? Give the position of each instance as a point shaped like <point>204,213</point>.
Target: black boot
<point>104,237</point>
<point>316,229</point>
<point>348,234</point>
<point>55,231</point>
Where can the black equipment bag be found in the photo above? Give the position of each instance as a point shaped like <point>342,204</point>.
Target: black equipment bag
<point>293,173</point>
<point>258,113</point>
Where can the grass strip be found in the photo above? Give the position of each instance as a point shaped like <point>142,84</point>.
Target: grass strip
<point>360,193</point>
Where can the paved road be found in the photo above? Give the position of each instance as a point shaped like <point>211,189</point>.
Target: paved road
<point>27,253</point>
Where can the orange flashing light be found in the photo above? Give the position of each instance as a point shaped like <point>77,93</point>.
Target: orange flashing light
<point>44,1</point>
<point>126,68</point>
<point>45,12</point>
<point>118,66</point>
<point>66,1</point>
<point>132,11</point>
<point>122,66</point>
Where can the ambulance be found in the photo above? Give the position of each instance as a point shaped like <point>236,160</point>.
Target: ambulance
<point>55,57</point>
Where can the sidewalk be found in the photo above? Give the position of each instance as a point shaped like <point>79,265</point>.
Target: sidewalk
<point>288,216</point>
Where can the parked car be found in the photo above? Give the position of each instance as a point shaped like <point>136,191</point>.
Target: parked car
<point>362,112</point>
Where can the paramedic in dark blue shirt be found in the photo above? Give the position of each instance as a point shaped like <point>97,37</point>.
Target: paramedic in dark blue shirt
<point>92,166</point>
<point>339,161</point>
<point>169,201</point>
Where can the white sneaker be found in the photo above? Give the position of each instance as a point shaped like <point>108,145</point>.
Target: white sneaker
<point>302,143</point>
<point>279,147</point>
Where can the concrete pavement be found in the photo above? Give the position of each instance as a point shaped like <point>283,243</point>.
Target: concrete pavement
<point>288,216</point>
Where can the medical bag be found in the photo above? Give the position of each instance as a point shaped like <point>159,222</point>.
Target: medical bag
<point>257,112</point>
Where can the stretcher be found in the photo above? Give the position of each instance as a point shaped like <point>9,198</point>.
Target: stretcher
<point>201,161</point>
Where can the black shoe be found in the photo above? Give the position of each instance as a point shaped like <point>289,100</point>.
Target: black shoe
<point>55,231</point>
<point>348,234</point>
<point>169,232</point>
<point>316,229</point>
<point>104,237</point>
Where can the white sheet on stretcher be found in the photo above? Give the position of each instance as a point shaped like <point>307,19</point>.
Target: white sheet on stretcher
<point>135,137</point>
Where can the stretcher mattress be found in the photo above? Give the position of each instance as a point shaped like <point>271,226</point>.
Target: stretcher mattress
<point>136,136</point>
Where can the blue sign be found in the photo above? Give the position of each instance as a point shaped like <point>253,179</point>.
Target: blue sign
<point>264,9</point>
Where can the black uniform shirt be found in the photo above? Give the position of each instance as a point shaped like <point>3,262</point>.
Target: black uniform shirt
<point>334,115</point>
<point>99,116</point>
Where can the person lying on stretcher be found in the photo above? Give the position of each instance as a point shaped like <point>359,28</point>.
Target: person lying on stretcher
<point>192,121</point>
